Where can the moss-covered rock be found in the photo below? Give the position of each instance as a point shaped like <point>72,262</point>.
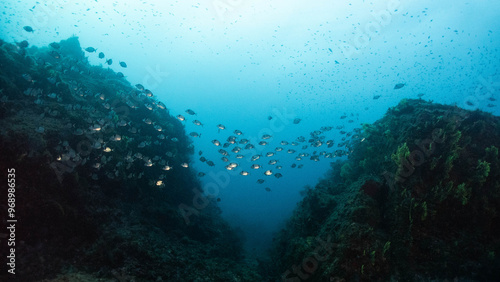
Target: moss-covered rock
<point>422,205</point>
<point>99,178</point>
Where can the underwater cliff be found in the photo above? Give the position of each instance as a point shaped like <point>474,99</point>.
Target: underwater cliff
<point>101,168</point>
<point>417,200</point>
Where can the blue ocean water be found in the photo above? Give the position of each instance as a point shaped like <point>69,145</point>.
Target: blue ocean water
<point>239,63</point>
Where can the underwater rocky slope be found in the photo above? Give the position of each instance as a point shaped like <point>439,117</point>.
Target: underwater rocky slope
<point>101,168</point>
<point>417,200</point>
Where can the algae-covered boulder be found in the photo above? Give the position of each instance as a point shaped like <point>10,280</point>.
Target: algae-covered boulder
<point>417,199</point>
<point>100,168</point>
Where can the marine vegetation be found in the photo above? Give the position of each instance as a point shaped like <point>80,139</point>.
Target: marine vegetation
<point>101,168</point>
<point>417,200</point>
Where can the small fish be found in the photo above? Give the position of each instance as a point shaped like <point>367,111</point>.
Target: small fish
<point>256,157</point>
<point>181,118</point>
<point>119,74</point>
<point>269,118</point>
<point>278,175</point>
<point>190,112</point>
<point>28,28</point>
<point>294,165</point>
<point>330,143</point>
<point>90,49</point>
<point>123,64</point>
<point>268,172</point>
<point>269,154</point>
<point>122,123</point>
<point>268,189</point>
<point>115,137</point>
<point>376,97</point>
<point>194,134</point>
<point>255,166</point>
<point>263,143</point>
<point>210,163</point>
<point>343,117</point>
<point>420,95</point>
<point>296,121</point>
<point>260,181</point>
<point>223,152</point>
<point>266,136</point>
<point>399,85</point>
<point>186,165</point>
<point>273,162</point>
<point>326,128</point>
<point>238,132</point>
<point>278,149</point>
<point>161,105</point>
<point>284,143</point>
<point>55,54</point>
<point>201,174</point>
<point>249,146</point>
<point>101,55</point>
<point>216,142</point>
<point>55,45</point>
<point>197,122</point>
<point>221,127</point>
<point>244,173</point>
<point>203,159</point>
<point>109,62</point>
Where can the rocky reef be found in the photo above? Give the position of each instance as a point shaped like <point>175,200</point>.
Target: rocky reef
<point>417,200</point>
<point>100,170</point>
